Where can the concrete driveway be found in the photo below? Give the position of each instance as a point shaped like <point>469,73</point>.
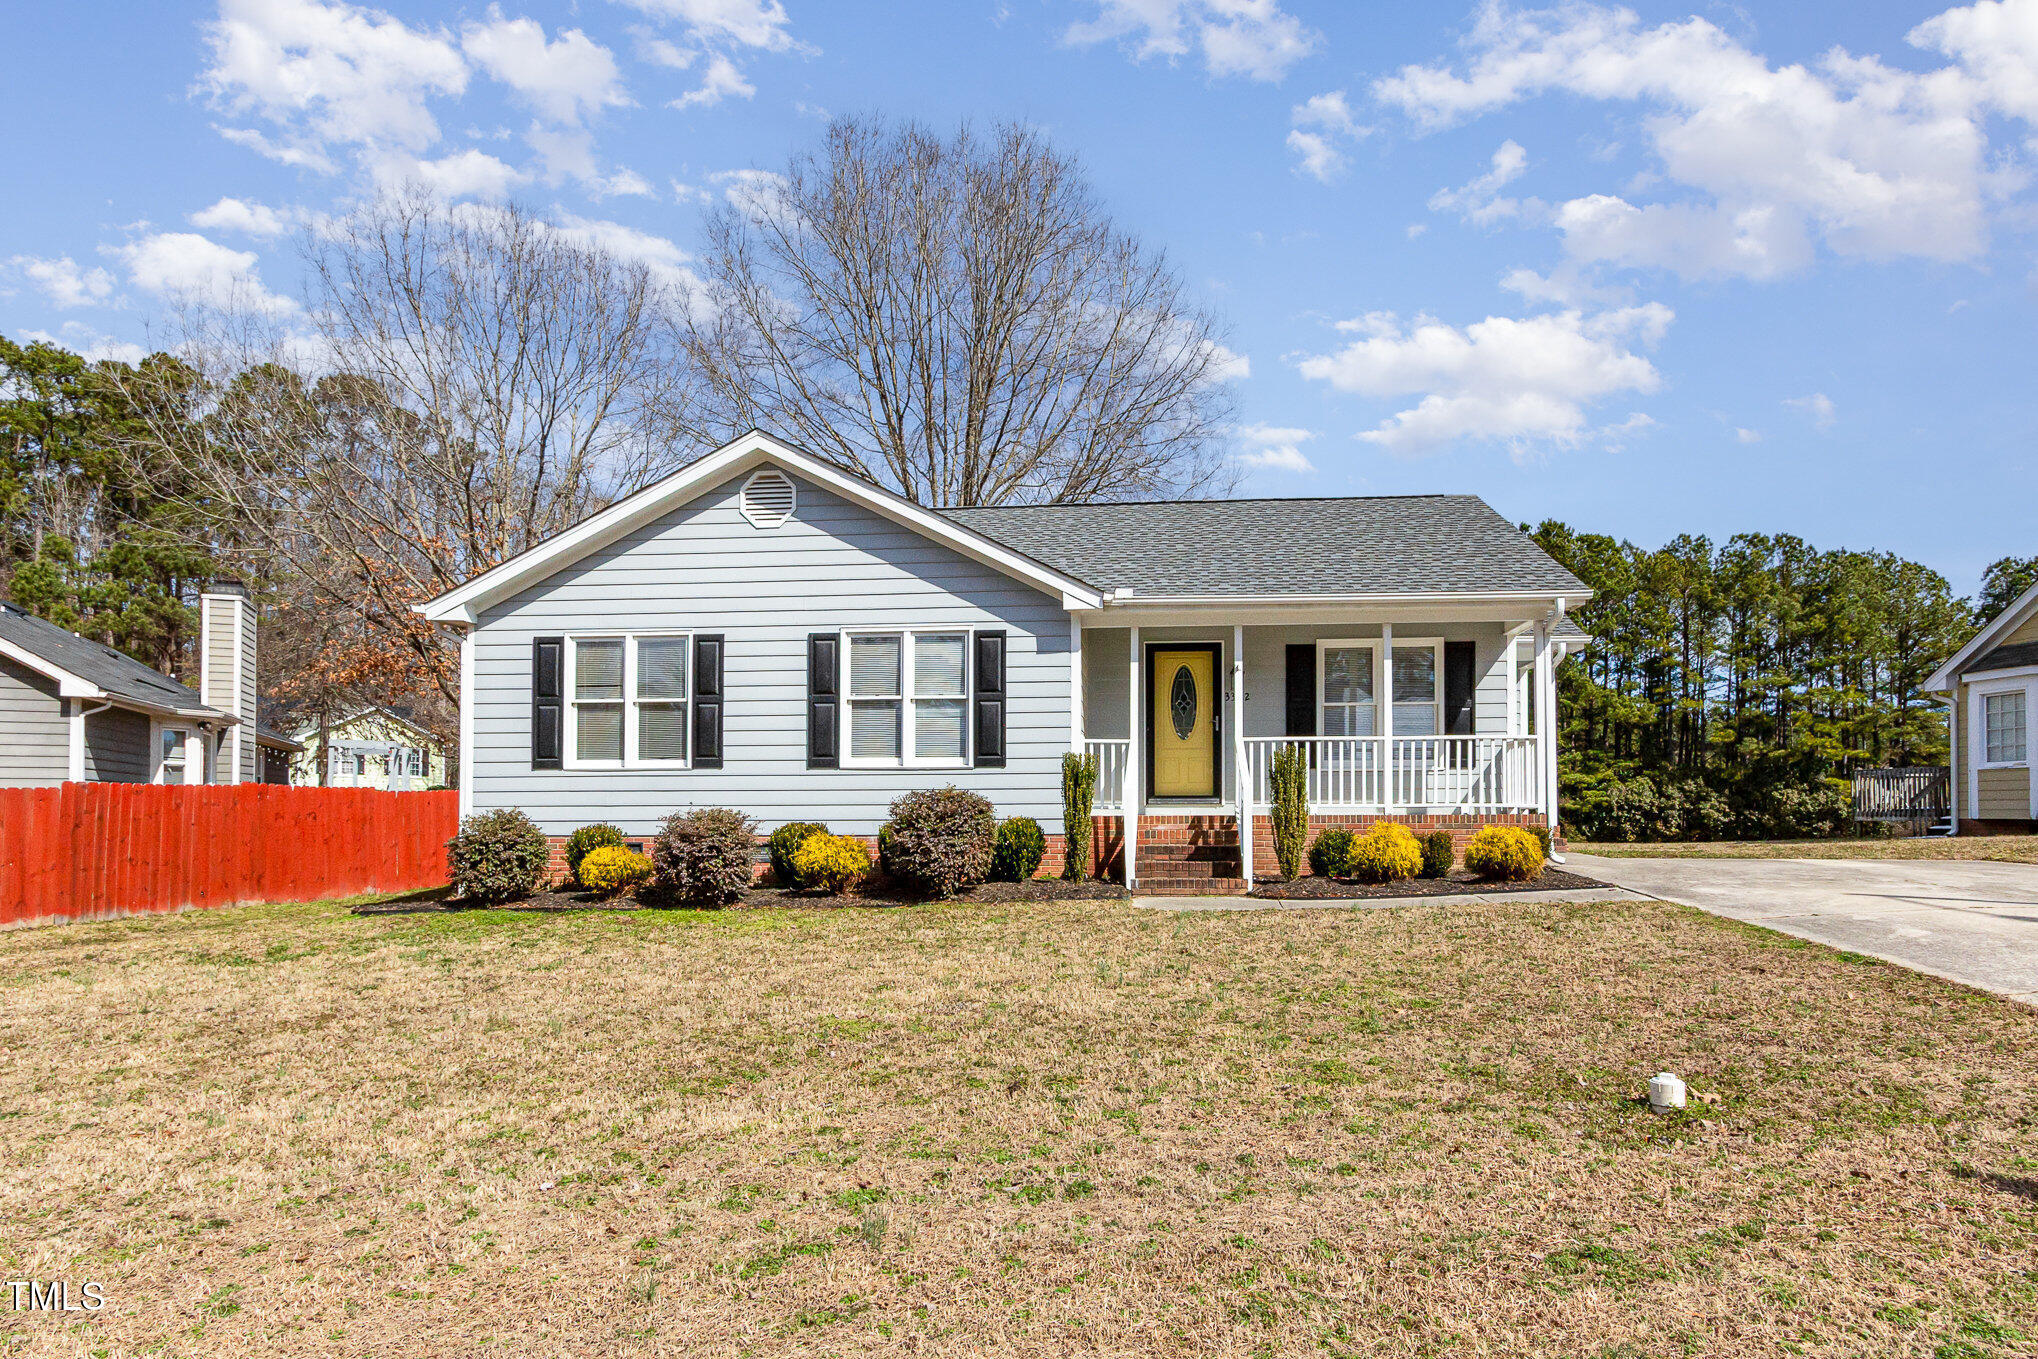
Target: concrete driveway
<point>1971,922</point>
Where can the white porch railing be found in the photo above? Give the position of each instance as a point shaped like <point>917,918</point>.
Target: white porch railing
<point>1437,773</point>
<point>1111,758</point>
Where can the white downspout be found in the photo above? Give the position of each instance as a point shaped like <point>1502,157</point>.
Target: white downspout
<point>1953,759</point>
<point>1242,776</point>
<point>1135,766</point>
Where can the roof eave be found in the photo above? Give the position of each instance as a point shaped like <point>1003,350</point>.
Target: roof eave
<point>1942,680</point>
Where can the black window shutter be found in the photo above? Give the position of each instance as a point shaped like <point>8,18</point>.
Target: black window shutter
<point>1301,689</point>
<point>548,673</point>
<point>988,700</point>
<point>1460,679</point>
<point>824,680</point>
<point>707,702</point>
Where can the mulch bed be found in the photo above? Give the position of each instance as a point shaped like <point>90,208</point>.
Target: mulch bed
<point>1332,889</point>
<point>988,893</point>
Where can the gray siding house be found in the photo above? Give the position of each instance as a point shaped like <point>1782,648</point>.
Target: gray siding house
<point>76,711</point>
<point>765,631</point>
<point>1990,689</point>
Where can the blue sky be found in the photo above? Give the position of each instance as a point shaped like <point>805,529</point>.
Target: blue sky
<point>1650,270</point>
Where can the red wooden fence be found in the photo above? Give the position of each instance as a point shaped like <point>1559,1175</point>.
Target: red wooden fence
<point>88,850</point>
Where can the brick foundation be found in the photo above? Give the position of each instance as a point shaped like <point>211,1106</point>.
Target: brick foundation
<point>1972,827</point>
<point>1462,829</point>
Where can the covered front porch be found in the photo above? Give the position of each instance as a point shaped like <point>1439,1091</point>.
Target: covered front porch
<point>1435,717</point>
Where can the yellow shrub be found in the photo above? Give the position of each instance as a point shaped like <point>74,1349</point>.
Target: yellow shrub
<point>831,863</point>
<point>1386,853</point>
<point>1505,854</point>
<point>613,869</point>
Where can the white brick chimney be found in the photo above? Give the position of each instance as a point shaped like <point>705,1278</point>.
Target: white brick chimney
<point>226,674</point>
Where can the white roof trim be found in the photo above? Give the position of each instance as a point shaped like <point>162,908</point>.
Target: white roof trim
<point>1942,679</point>
<point>464,603</point>
<point>68,684</point>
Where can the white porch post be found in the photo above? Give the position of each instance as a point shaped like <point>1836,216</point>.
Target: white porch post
<point>466,793</point>
<point>1077,696</point>
<point>1383,686</point>
<point>1244,776</point>
<point>1135,766</point>
<point>76,734</point>
<point>1546,726</point>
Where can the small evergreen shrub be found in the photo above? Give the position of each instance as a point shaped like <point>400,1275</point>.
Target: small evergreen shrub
<point>601,835</point>
<point>1504,854</point>
<point>1327,855</point>
<point>785,844</point>
<point>939,840</point>
<point>1542,833</point>
<point>1016,854</point>
<point>1437,854</point>
<point>1386,853</point>
<point>706,857</point>
<point>1078,796</point>
<point>1290,812</point>
<point>830,863</point>
<point>611,870</point>
<point>497,856</point>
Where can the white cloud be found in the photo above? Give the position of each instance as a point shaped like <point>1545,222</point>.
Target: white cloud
<point>761,24</point>
<point>659,255</point>
<point>250,219</point>
<point>1818,406</point>
<point>1742,434</point>
<point>753,191</point>
<point>1275,448</point>
<point>567,79</point>
<point>88,343</point>
<point>1255,38</point>
<point>568,153</point>
<point>721,80</point>
<point>463,174</point>
<point>1764,164</point>
<point>328,74</point>
<point>1522,381</point>
<point>1318,128</point>
<point>184,266</point>
<point>1480,200</point>
<point>64,282</point>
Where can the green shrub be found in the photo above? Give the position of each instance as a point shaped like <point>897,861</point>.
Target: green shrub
<point>1541,831</point>
<point>497,856</point>
<point>785,844</point>
<point>705,857</point>
<point>1078,796</point>
<point>1290,812</point>
<point>939,840</point>
<point>1504,854</point>
<point>831,863</point>
<point>1327,855</point>
<point>610,870</point>
<point>1437,854</point>
<point>1016,854</point>
<point>601,835</point>
<point>1385,853</point>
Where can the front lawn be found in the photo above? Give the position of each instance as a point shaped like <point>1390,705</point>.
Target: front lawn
<point>1039,1129</point>
<point>2010,848</point>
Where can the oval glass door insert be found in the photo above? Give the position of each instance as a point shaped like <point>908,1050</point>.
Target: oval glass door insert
<point>1182,702</point>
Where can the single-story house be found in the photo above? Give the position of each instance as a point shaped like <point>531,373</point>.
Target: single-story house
<point>73,710</point>
<point>766,631</point>
<point>1990,688</point>
<point>370,748</point>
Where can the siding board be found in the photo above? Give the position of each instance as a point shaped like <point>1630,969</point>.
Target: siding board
<point>35,738</point>
<point>117,747</point>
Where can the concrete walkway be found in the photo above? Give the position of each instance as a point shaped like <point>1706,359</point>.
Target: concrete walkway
<point>1969,922</point>
<point>1376,903</point>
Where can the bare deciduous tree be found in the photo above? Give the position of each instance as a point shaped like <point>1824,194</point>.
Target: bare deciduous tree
<point>474,381</point>
<point>960,320</point>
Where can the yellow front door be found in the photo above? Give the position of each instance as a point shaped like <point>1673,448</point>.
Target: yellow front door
<point>1184,723</point>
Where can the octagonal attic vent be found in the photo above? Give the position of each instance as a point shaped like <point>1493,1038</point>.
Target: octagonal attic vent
<point>768,498</point>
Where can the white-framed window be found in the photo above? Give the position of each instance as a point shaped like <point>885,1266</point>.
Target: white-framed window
<point>907,691</point>
<point>179,755</point>
<point>627,700</point>
<point>2005,727</point>
<point>1418,687</point>
<point>1345,680</point>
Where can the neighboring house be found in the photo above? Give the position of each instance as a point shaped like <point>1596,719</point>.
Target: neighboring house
<point>74,710</point>
<point>762,630</point>
<point>371,748</point>
<point>1990,687</point>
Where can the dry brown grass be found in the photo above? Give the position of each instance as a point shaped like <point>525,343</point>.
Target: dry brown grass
<point>1038,1130</point>
<point>2007,848</point>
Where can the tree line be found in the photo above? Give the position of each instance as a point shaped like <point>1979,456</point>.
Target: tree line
<point>1731,689</point>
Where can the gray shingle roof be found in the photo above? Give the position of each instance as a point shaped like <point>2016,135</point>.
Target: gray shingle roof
<point>118,674</point>
<point>2005,658</point>
<point>1415,544</point>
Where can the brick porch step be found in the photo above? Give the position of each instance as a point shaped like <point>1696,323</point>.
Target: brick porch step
<point>1189,887</point>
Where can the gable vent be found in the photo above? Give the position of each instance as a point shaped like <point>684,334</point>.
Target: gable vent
<point>768,498</point>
